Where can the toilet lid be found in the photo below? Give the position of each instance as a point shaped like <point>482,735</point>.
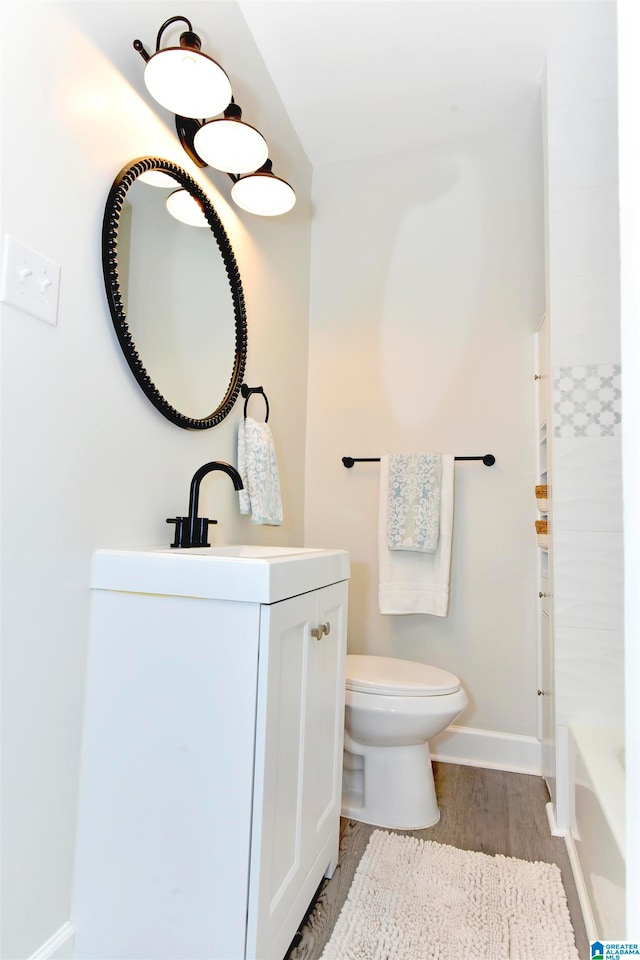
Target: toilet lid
<point>389,677</point>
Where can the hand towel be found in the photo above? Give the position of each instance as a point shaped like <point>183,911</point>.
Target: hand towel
<point>416,582</point>
<point>258,468</point>
<point>413,505</point>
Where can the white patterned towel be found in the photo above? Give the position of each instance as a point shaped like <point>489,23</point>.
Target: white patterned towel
<point>413,505</point>
<point>258,467</point>
<point>411,581</point>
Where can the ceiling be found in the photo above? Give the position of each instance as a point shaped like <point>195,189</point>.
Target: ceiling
<point>364,78</point>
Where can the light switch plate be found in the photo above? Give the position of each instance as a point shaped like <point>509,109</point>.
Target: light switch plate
<point>30,281</point>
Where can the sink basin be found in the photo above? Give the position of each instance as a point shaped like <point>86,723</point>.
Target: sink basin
<point>254,552</point>
<point>245,572</point>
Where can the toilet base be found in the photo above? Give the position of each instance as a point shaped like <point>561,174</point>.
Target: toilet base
<point>389,786</point>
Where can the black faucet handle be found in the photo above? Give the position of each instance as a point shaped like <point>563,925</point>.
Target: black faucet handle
<point>191,531</point>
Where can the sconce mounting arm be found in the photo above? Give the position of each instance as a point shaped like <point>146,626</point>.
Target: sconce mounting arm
<point>189,39</point>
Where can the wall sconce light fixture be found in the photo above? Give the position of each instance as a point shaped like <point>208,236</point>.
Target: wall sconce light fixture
<point>192,86</point>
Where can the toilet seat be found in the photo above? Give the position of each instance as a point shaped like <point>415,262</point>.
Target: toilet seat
<point>387,676</point>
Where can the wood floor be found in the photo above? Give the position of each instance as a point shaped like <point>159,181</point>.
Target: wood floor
<point>486,810</point>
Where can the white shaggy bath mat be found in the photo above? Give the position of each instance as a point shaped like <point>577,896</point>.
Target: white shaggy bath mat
<point>419,900</point>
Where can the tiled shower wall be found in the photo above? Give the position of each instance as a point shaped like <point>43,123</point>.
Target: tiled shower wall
<point>584,308</point>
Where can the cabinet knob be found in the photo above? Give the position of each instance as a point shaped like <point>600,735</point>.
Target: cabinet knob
<point>541,595</point>
<point>322,631</point>
<point>539,376</point>
<point>541,693</point>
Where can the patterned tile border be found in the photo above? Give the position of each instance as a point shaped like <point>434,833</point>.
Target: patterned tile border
<point>586,401</point>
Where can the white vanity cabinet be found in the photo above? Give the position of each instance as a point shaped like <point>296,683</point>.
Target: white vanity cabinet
<point>212,755</point>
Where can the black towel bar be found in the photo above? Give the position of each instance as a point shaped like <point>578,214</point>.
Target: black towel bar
<point>488,460</point>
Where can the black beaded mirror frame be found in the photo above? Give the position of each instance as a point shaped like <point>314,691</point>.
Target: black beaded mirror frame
<point>115,200</point>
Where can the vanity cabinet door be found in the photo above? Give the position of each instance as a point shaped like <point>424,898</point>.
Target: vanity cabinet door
<point>324,726</point>
<point>299,734</point>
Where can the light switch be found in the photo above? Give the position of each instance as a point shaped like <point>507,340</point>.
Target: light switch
<point>30,281</point>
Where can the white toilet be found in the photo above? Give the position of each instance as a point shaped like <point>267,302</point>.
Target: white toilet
<point>392,709</point>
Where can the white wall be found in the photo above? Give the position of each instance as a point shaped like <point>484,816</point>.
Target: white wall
<point>584,310</point>
<point>87,462</point>
<point>587,531</point>
<point>629,148</point>
<point>427,283</point>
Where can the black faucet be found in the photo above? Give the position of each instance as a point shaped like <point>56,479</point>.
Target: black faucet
<point>192,531</point>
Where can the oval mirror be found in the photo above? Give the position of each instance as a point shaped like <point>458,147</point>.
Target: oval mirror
<point>174,293</point>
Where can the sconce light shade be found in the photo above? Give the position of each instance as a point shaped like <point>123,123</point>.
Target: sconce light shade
<point>230,145</point>
<point>186,208</point>
<point>186,81</point>
<point>263,193</point>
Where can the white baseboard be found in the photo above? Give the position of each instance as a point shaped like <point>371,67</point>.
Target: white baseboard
<point>57,947</point>
<point>581,887</point>
<point>554,829</point>
<point>488,748</point>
